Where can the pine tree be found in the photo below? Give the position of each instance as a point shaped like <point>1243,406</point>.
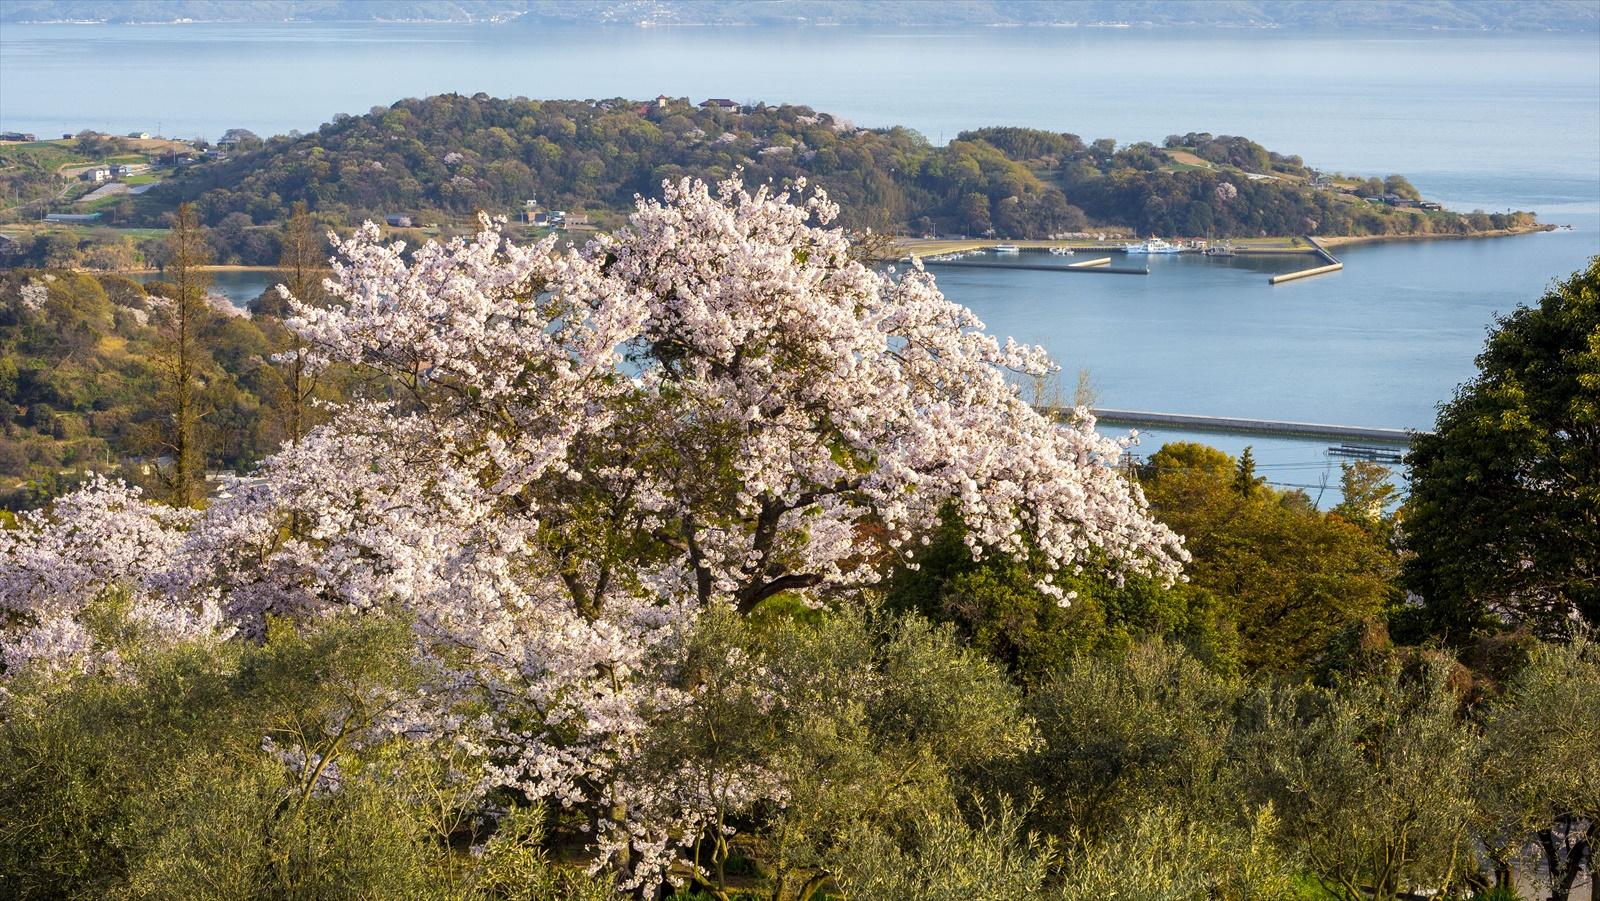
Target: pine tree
<point>1245,480</point>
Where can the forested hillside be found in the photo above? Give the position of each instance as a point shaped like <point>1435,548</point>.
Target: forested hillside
<point>450,156</point>
<point>80,372</point>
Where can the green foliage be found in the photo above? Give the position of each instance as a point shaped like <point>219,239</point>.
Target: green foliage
<point>79,383</point>
<point>1501,520</point>
<point>1239,153</point>
<point>1367,495</point>
<point>1123,734</point>
<point>446,157</point>
<point>1167,854</point>
<point>871,721</point>
<point>1245,480</point>
<point>941,857</point>
<point>1371,780</point>
<point>28,171</point>
<point>1292,576</point>
<point>181,775</point>
<point>996,605</point>
<point>1550,713</point>
<point>179,735</point>
<point>913,769</point>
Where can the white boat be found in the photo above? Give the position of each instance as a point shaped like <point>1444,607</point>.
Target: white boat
<point>1154,245</point>
<point>1007,248</point>
<point>1061,251</point>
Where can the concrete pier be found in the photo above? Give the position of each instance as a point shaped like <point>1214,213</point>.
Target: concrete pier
<point>1041,267</point>
<point>1088,264</point>
<point>1332,264</point>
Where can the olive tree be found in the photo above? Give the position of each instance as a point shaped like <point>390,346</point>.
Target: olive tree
<point>1371,780</point>
<point>1539,777</point>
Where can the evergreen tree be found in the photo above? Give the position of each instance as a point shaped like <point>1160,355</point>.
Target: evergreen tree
<point>1504,520</point>
<point>1245,480</point>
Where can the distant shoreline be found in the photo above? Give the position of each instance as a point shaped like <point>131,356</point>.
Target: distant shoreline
<point>1276,245</point>
<point>217,268</point>
<point>1329,242</point>
<point>522,20</point>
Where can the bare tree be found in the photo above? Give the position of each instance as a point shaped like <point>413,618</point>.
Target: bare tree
<point>179,361</point>
<point>303,262</point>
<point>1087,391</point>
<point>870,246</point>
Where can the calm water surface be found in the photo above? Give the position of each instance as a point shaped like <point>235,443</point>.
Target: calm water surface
<point>1477,121</point>
<point>1447,108</point>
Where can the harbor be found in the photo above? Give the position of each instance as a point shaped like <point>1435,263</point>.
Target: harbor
<point>927,249</point>
<point>955,253</point>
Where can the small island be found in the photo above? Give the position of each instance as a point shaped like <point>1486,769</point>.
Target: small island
<point>427,167</point>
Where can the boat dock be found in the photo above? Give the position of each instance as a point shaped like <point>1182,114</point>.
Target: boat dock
<point>1086,266</point>
<point>1390,437</point>
<point>1368,452</point>
<point>1330,264</point>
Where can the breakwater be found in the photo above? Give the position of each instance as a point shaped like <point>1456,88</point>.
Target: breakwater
<point>1257,426</point>
<point>1089,266</point>
<point>1330,264</point>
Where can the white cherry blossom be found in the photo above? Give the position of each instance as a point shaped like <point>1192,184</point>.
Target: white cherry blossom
<point>583,449</point>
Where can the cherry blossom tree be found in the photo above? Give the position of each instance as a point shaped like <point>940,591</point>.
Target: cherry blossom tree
<point>586,447</point>
<point>102,539</point>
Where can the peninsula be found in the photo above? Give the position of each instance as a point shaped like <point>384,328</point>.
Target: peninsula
<point>427,167</point>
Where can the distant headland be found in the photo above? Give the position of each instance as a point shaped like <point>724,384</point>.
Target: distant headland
<point>427,167</point>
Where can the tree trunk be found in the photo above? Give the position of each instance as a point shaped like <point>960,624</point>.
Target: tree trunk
<point>186,479</point>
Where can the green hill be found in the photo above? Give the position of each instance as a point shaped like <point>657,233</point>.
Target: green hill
<point>443,158</point>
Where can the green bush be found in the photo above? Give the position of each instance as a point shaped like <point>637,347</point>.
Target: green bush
<point>160,780</point>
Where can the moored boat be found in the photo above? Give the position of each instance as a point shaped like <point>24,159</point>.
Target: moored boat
<point>1154,245</point>
<point>1007,248</point>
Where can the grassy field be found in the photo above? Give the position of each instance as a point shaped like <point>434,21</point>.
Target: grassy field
<point>51,155</point>
<point>143,232</point>
<point>17,229</point>
<point>1186,159</point>
<point>100,203</point>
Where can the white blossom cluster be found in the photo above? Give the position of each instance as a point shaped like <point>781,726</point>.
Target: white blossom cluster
<point>583,449</point>
<point>100,539</point>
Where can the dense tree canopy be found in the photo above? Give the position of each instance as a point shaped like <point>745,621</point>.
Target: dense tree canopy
<point>79,378</point>
<point>451,156</point>
<point>1293,577</point>
<point>1504,517</point>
